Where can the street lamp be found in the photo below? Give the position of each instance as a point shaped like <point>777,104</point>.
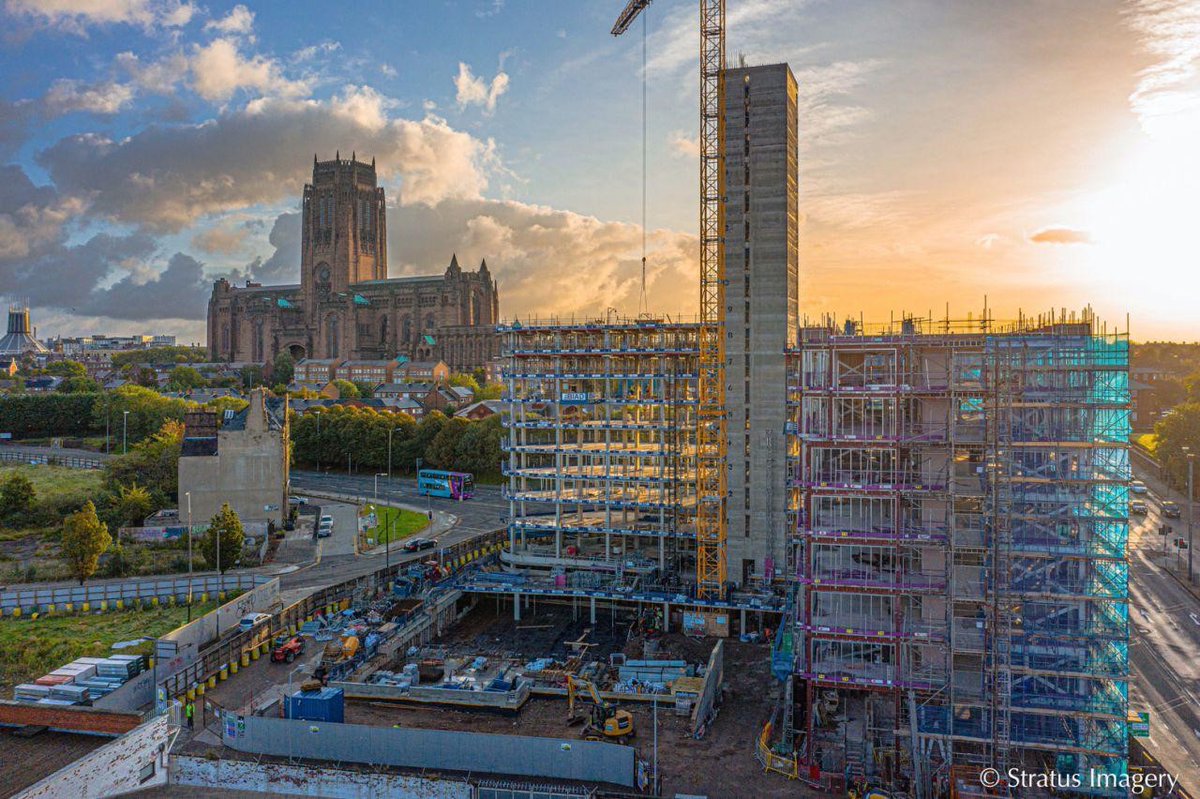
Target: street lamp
<point>1191,460</point>
<point>124,432</point>
<point>188,494</point>
<point>318,414</point>
<point>389,471</point>
<point>430,511</point>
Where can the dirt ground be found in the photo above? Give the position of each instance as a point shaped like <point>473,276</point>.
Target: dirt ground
<point>721,764</point>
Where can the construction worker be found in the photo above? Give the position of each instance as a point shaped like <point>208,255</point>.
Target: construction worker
<point>189,712</point>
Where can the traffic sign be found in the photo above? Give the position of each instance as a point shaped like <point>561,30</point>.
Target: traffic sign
<point>1139,724</point>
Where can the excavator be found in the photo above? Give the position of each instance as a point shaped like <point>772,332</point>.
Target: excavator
<point>607,723</point>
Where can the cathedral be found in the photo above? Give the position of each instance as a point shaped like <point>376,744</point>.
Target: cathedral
<point>346,306</point>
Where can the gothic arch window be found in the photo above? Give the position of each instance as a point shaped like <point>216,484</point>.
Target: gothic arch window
<point>476,309</point>
<point>407,329</point>
<point>258,341</point>
<point>429,323</point>
<point>383,330</point>
<point>322,275</point>
<point>331,336</point>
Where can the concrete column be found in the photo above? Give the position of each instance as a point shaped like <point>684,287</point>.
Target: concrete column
<point>666,617</point>
<point>516,606</point>
<point>593,601</point>
<point>743,615</point>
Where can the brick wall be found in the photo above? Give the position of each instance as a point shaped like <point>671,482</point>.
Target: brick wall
<point>71,719</point>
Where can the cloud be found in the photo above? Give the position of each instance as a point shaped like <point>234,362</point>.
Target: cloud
<point>166,177</point>
<point>1060,235</point>
<point>534,253</point>
<point>283,266</point>
<point>159,77</point>
<point>31,217</point>
<point>313,50</point>
<point>388,70</point>
<point>76,16</point>
<point>472,90</point>
<point>684,146</point>
<point>178,292</point>
<point>1168,89</point>
<point>239,21</point>
<point>492,8</point>
<point>219,70</point>
<point>223,239</point>
<point>106,98</point>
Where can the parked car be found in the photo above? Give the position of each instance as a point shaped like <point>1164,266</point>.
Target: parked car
<point>1171,510</point>
<point>252,620</point>
<point>293,500</point>
<point>1138,508</point>
<point>418,544</point>
<point>1138,487</point>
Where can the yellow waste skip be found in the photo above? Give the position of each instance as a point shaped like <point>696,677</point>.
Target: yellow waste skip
<point>212,681</point>
<point>245,659</point>
<point>233,667</point>
<point>224,672</point>
<point>255,652</point>
<point>200,689</point>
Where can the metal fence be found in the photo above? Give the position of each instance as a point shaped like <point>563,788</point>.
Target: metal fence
<point>107,595</point>
<point>325,600</point>
<point>44,457</point>
<point>439,750</point>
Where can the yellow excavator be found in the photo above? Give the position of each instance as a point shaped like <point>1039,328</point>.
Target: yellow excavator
<point>606,723</point>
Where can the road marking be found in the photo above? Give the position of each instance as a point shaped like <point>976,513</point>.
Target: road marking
<point>1194,619</point>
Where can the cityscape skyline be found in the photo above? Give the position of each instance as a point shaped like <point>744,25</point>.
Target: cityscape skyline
<point>154,146</point>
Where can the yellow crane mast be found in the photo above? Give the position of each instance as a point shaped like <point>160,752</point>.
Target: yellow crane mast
<point>712,425</point>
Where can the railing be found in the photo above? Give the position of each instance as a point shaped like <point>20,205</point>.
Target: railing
<point>49,458</point>
<point>230,649</point>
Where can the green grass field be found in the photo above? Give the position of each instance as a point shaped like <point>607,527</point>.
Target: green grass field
<point>395,524</point>
<point>30,648</point>
<point>59,485</point>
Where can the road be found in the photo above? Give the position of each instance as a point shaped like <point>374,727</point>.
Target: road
<point>1164,641</point>
<point>481,514</point>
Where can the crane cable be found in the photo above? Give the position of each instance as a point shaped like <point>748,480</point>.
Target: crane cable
<point>644,302</point>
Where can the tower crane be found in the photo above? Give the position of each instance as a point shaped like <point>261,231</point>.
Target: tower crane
<point>711,423</point>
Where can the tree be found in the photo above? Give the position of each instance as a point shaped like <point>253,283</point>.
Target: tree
<point>145,376</point>
<point>1178,429</point>
<point>17,496</point>
<point>84,540</point>
<point>185,378</point>
<point>478,451</point>
<point>467,381</point>
<point>443,449</point>
<point>346,389</point>
<point>78,385</point>
<point>153,463</point>
<point>252,376</point>
<point>283,370</point>
<point>365,389</point>
<point>227,528</point>
<point>148,410</point>
<point>492,391</point>
<point>67,369</point>
<point>130,506</point>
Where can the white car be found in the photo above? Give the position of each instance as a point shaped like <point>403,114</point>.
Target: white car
<point>1138,487</point>
<point>252,620</point>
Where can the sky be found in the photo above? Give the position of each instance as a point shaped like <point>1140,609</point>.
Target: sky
<point>1036,153</point>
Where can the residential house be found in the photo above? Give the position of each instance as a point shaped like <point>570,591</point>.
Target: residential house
<point>426,371</point>
<point>481,410</point>
<point>372,372</point>
<point>316,370</point>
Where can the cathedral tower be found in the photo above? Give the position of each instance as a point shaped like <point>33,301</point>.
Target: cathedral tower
<point>344,227</point>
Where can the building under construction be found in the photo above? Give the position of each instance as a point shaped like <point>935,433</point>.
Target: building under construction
<point>931,517</point>
<point>956,589</point>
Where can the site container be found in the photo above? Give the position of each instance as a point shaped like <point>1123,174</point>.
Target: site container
<point>327,704</point>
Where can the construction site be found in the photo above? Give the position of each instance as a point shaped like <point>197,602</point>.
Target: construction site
<point>928,518</point>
